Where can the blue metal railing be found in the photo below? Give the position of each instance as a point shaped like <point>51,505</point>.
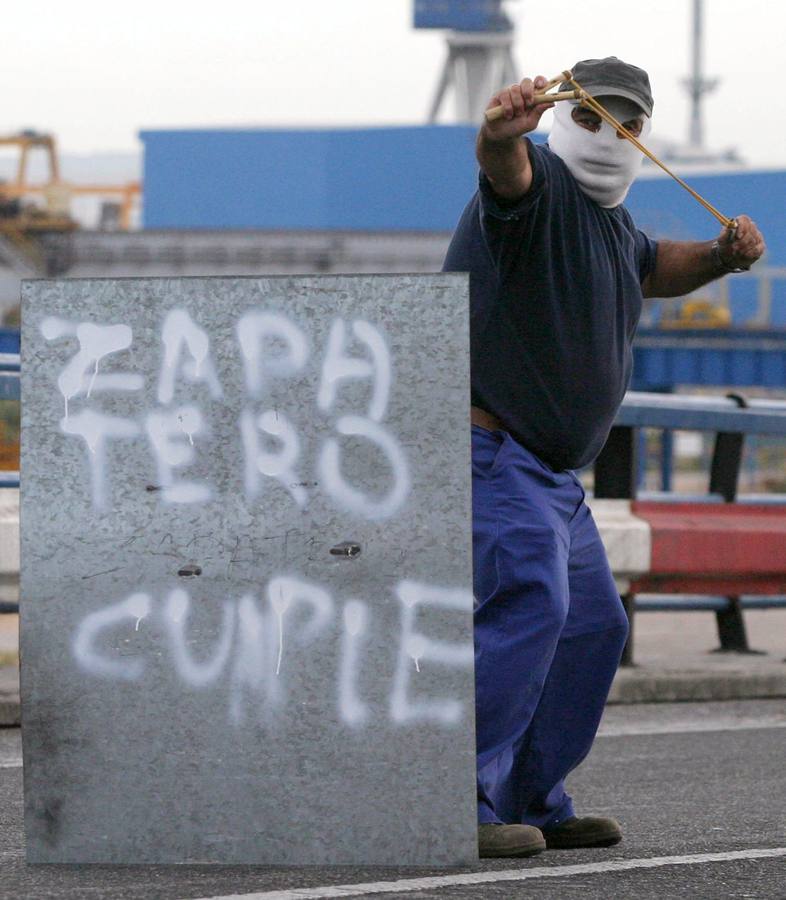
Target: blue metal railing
<point>696,413</point>
<point>731,418</point>
<point>9,390</point>
<point>9,340</point>
<point>690,602</point>
<point>9,376</point>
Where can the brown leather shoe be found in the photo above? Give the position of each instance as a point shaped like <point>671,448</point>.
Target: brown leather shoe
<point>495,841</point>
<point>584,831</point>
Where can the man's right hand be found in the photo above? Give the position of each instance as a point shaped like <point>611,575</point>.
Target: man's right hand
<point>520,115</point>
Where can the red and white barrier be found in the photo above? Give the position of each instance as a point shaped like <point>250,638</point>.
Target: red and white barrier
<point>668,547</point>
<point>627,538</point>
<point>9,545</point>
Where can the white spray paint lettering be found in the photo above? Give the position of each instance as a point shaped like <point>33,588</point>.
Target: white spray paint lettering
<point>253,658</point>
<point>261,461</point>
<point>338,367</point>
<point>280,605</point>
<point>165,431</point>
<point>353,710</point>
<point>96,429</point>
<point>179,333</point>
<point>349,497</point>
<point>250,644</point>
<point>80,376</point>
<point>196,674</point>
<point>283,592</point>
<point>258,330</point>
<point>53,328</point>
<point>416,647</point>
<point>135,607</point>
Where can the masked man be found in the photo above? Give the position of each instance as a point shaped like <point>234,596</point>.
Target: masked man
<point>558,273</point>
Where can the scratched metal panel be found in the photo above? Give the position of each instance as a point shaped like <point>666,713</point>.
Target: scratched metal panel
<point>288,704</point>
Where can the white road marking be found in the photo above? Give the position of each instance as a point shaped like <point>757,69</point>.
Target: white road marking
<point>621,729</point>
<point>423,884</point>
<point>11,764</point>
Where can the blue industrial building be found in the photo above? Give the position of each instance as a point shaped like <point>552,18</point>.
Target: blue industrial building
<point>391,178</point>
<point>371,179</point>
<point>461,15</point>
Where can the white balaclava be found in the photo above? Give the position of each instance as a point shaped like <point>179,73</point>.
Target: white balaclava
<point>604,165</point>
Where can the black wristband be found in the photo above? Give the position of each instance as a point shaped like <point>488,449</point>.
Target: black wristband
<point>719,265</point>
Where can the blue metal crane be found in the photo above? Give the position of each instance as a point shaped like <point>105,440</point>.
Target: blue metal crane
<point>480,52</point>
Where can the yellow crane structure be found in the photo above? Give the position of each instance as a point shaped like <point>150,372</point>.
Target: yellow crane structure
<point>29,211</point>
<point>56,192</point>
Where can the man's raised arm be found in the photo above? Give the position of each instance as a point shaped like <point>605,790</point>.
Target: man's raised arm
<point>501,152</point>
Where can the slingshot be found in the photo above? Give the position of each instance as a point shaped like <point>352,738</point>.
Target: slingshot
<point>586,99</point>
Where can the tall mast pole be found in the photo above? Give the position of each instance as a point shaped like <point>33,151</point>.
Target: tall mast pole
<point>697,85</point>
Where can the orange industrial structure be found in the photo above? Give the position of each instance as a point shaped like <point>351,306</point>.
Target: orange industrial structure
<point>56,192</point>
<point>25,224</point>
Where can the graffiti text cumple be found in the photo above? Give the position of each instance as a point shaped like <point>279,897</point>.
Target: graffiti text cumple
<point>258,648</point>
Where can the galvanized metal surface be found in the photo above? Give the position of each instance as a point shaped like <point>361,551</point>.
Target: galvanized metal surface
<point>208,673</point>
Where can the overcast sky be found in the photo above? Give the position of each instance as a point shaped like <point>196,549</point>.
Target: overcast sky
<point>96,73</point>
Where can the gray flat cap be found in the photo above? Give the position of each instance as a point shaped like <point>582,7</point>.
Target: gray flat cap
<point>601,77</point>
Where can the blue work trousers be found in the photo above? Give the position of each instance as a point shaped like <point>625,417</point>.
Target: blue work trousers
<point>549,631</point>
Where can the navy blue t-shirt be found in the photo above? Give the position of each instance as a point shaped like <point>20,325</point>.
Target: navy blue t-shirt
<point>556,296</point>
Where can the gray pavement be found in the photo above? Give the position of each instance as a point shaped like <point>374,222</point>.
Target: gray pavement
<point>674,659</point>
<point>685,780</point>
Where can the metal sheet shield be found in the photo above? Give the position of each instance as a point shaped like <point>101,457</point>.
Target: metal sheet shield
<point>246,571</point>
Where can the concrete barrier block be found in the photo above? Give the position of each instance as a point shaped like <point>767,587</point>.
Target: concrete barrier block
<point>626,537</point>
<point>9,531</point>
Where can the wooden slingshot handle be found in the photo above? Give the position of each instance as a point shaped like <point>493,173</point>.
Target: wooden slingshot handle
<point>496,112</point>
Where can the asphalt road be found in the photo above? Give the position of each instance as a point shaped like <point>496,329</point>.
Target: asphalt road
<point>700,790</point>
